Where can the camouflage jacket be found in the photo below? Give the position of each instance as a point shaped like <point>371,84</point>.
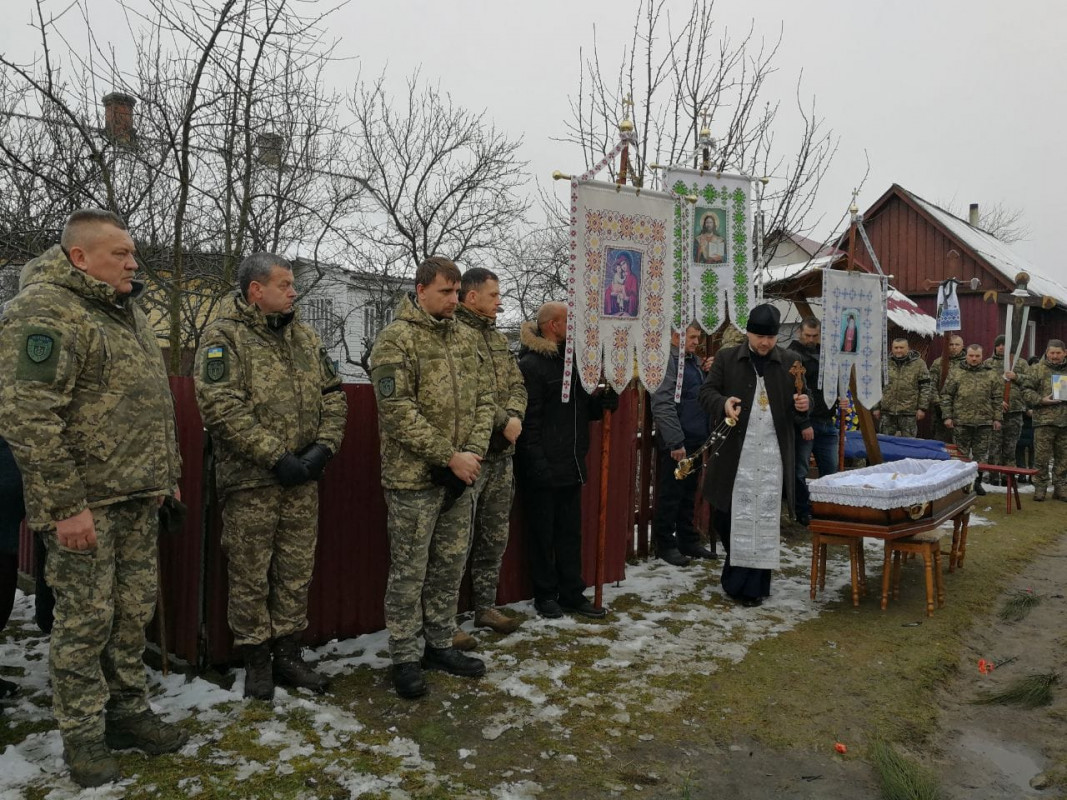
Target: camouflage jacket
<point>434,397</point>
<point>972,396</point>
<point>265,387</point>
<point>1016,402</point>
<point>1038,384</point>
<point>509,392</point>
<point>908,389</point>
<point>935,375</point>
<point>84,399</point>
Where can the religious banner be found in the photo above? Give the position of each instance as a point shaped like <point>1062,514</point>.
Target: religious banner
<point>712,249</point>
<point>853,335</point>
<point>620,285</point>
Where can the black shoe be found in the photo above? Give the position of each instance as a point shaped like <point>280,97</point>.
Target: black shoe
<point>259,677</point>
<point>584,608</point>
<point>549,609</point>
<point>751,602</point>
<point>674,558</point>
<point>450,660</point>
<point>803,518</point>
<point>408,680</point>
<point>978,488</point>
<point>698,551</point>
<point>290,669</point>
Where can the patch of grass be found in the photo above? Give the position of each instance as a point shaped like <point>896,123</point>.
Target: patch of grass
<point>901,778</point>
<point>1018,605</point>
<point>1031,691</point>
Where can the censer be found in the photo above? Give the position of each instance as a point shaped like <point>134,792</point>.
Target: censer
<point>714,442</point>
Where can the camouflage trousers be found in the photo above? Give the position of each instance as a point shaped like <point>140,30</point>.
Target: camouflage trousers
<point>937,427</point>
<point>1050,444</point>
<point>269,535</point>
<point>493,494</point>
<point>104,599</point>
<point>899,425</point>
<point>973,440</point>
<point>428,551</point>
<point>1002,443</point>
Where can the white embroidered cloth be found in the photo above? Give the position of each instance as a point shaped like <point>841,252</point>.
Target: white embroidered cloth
<point>894,484</point>
<point>620,285</point>
<point>853,335</point>
<point>756,502</point>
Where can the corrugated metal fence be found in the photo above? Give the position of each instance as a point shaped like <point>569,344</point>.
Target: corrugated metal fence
<point>348,588</point>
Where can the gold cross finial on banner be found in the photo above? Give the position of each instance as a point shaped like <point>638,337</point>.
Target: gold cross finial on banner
<point>705,131</point>
<point>626,125</point>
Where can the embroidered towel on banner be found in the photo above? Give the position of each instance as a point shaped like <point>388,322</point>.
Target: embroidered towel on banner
<point>948,308</point>
<point>713,248</point>
<point>853,334</point>
<point>620,285</point>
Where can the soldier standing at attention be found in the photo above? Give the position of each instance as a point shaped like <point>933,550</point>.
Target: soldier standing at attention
<point>495,487</point>
<point>86,408</point>
<point>435,414</point>
<point>272,401</point>
<point>971,404</point>
<point>956,360</point>
<point>1003,442</point>
<point>1050,420</point>
<point>906,395</point>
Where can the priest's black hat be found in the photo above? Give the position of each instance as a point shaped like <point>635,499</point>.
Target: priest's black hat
<point>764,320</point>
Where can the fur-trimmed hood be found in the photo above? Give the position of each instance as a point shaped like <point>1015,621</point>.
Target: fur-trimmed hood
<point>531,339</point>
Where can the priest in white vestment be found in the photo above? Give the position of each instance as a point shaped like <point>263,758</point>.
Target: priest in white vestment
<point>746,480</point>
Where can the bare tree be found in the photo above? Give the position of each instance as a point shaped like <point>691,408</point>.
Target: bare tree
<point>997,219</point>
<point>678,70</point>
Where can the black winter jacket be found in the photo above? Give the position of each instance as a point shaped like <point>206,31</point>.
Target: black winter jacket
<point>555,435</point>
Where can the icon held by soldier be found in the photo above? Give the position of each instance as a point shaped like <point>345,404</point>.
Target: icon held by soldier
<point>86,407</point>
<point>272,400</point>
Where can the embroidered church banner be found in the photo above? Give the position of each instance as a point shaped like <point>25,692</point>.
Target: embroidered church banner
<point>853,335</point>
<point>713,248</point>
<point>620,285</point>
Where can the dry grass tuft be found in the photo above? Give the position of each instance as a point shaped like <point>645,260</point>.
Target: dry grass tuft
<point>1032,691</point>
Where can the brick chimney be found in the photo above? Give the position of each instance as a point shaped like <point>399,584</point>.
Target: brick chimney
<point>973,215</point>
<point>118,118</point>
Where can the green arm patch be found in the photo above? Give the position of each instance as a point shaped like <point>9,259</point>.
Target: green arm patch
<point>385,380</point>
<point>216,364</point>
<point>39,356</point>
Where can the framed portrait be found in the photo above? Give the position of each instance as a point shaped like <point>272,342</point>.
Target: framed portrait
<point>849,339</point>
<point>709,235</point>
<point>1059,387</point>
<point>622,282</point>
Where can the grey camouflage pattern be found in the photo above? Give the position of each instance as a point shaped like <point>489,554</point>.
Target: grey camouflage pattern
<point>1037,385</point>
<point>494,492</point>
<point>1050,444</point>
<point>104,599</point>
<point>899,425</point>
<point>1002,443</point>
<point>973,441</point>
<point>269,537</point>
<point>909,386</point>
<point>973,396</point>
<point>428,551</point>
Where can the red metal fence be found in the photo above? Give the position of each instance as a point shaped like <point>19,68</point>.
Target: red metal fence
<point>348,587</point>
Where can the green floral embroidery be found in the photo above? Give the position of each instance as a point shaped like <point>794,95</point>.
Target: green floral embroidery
<point>740,239</point>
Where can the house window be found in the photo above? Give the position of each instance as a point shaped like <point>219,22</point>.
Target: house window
<point>318,312</point>
<point>374,319</point>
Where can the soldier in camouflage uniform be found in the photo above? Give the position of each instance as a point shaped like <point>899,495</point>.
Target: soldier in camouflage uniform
<point>907,394</point>
<point>495,487</point>
<point>971,403</point>
<point>272,401</point>
<point>1003,442</point>
<point>86,407</point>
<point>957,359</point>
<point>1050,420</point>
<point>435,415</point>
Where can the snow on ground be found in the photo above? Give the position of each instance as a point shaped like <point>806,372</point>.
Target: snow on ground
<point>643,646</point>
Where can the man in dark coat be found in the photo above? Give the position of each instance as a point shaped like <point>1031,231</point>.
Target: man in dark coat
<point>12,510</point>
<point>551,466</point>
<point>751,384</point>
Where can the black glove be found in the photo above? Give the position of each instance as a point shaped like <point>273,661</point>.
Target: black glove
<point>454,485</point>
<point>291,471</point>
<point>609,400</point>
<point>172,515</point>
<point>315,456</point>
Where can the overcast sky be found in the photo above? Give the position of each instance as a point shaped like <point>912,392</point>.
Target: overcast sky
<point>958,101</point>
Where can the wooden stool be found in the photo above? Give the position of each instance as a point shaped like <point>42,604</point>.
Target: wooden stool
<point>819,543</point>
<point>928,545</point>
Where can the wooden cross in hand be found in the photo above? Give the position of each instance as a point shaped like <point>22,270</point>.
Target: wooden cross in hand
<point>797,371</point>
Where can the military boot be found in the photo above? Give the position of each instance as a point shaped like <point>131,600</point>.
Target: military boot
<point>1060,493</point>
<point>1039,493</point>
<point>259,682</point>
<point>453,662</point>
<point>290,669</point>
<point>494,620</point>
<point>91,762</point>
<point>978,488</point>
<point>145,731</point>
<point>461,640</point>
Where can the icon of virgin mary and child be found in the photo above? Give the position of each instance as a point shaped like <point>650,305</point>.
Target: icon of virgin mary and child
<point>623,281</point>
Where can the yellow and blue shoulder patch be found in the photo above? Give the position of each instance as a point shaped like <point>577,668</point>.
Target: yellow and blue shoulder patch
<point>216,364</point>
